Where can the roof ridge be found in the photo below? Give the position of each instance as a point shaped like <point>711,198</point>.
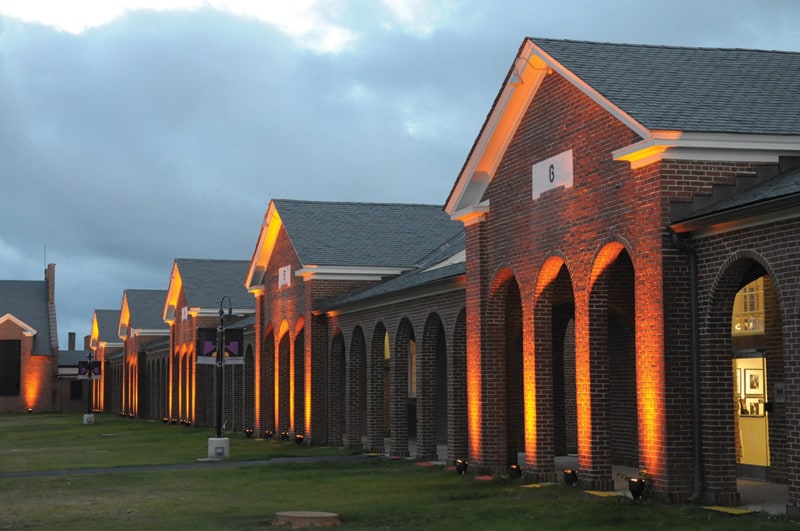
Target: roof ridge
<point>365,203</point>
<point>663,46</point>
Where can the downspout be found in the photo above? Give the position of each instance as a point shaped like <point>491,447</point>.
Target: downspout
<point>697,479</point>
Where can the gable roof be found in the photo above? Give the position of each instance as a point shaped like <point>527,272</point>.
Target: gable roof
<point>205,282</point>
<point>380,238</point>
<point>689,89</point>
<point>141,311</point>
<point>441,268</point>
<point>27,302</point>
<point>104,327</point>
<point>683,103</point>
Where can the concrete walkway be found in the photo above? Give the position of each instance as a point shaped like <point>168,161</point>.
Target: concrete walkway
<point>200,463</point>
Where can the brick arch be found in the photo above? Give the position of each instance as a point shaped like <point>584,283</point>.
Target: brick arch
<point>551,411</point>
<point>735,271</point>
<point>432,388</point>
<point>502,431</point>
<point>718,418</point>
<point>298,379</point>
<point>283,379</point>
<point>403,408</point>
<point>337,415</point>
<point>357,389</point>
<point>267,381</point>
<point>378,376</point>
<point>608,416</point>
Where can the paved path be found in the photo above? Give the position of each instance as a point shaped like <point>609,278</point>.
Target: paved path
<point>202,463</point>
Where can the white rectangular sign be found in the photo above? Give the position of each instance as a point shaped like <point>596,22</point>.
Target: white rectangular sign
<point>552,173</point>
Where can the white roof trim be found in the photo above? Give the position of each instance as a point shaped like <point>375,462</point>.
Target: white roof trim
<point>209,312</point>
<point>678,145</point>
<point>264,247</point>
<point>27,330</point>
<point>504,119</point>
<point>347,272</point>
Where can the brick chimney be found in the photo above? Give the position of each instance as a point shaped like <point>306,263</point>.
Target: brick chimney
<point>50,280</point>
<point>71,341</point>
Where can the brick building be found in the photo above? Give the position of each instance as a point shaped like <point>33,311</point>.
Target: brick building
<point>632,242</point>
<point>145,343</point>
<point>28,344</point>
<point>338,363</point>
<point>613,275</point>
<point>106,347</point>
<point>198,290</point>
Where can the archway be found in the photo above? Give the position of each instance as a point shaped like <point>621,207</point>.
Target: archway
<point>357,390</point>
<point>432,400</point>
<point>744,346</point>
<point>378,376</point>
<point>267,387</point>
<point>403,389</point>
<point>298,382</point>
<point>551,407</point>
<point>610,410</point>
<point>337,389</point>
<point>502,375</point>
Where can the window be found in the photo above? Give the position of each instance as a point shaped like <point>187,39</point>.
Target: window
<point>748,310</point>
<point>10,363</point>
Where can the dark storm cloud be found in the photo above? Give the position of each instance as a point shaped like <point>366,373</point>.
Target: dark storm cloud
<point>165,134</point>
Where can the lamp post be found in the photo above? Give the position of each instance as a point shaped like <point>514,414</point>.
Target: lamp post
<point>88,418</point>
<point>219,447</point>
<point>221,358</point>
<point>89,380</point>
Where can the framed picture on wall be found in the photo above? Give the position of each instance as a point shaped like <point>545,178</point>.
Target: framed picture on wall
<point>739,386</point>
<point>754,382</point>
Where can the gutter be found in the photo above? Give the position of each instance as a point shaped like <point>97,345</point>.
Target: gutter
<point>697,450</point>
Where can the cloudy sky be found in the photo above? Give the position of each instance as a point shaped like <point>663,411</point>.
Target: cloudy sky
<point>135,132</point>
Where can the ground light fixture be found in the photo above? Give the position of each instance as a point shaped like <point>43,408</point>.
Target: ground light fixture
<point>515,471</point>
<point>462,465</point>
<point>268,434</point>
<point>248,432</point>
<point>571,477</point>
<point>637,487</point>
<point>284,435</point>
<point>298,438</point>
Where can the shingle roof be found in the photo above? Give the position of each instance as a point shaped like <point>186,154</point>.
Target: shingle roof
<point>70,358</point>
<point>146,306</point>
<point>27,300</point>
<point>780,186</point>
<point>690,89</point>
<point>364,234</point>
<point>205,282</point>
<point>419,276</point>
<point>107,324</point>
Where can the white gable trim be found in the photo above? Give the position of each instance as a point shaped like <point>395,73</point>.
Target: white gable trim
<point>263,251</point>
<point>27,330</point>
<point>530,66</point>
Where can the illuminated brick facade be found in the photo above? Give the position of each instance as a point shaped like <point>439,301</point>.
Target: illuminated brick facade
<point>28,345</point>
<point>574,295</point>
<point>598,260</point>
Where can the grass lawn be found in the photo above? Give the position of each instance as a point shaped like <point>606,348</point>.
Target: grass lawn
<point>373,493</point>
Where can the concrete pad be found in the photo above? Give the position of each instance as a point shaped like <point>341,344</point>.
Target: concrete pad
<point>297,519</point>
